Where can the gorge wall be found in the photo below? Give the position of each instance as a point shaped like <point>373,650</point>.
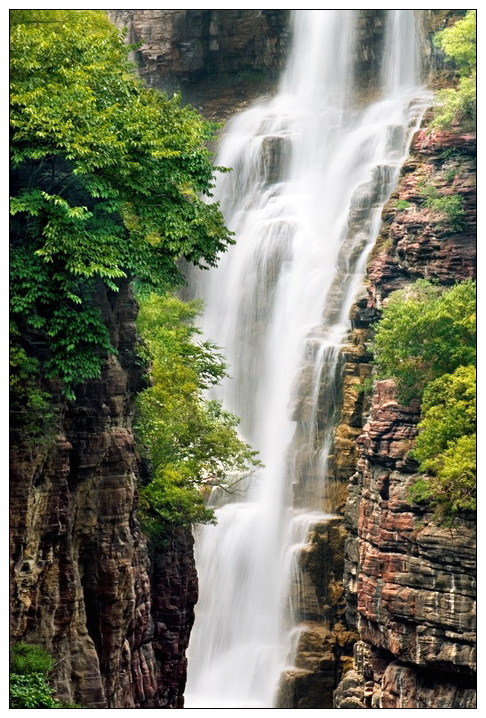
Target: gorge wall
<point>409,583</point>
<point>82,584</point>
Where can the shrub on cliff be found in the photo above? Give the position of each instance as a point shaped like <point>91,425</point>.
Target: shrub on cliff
<point>426,332</point>
<point>426,342</point>
<point>107,182</point>
<point>190,441</point>
<point>459,45</point>
<point>446,444</point>
<point>29,671</point>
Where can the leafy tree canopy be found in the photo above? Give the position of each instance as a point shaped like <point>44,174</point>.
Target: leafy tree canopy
<point>426,332</point>
<point>190,441</point>
<point>446,445</point>
<point>459,45</point>
<point>426,341</point>
<point>108,181</point>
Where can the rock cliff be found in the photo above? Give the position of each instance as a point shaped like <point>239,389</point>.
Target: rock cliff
<point>218,59</point>
<point>222,60</point>
<point>410,583</point>
<point>82,585</point>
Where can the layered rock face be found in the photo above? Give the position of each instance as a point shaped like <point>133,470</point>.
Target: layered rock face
<point>322,644</point>
<point>81,582</point>
<point>418,242</point>
<point>218,59</point>
<point>410,583</point>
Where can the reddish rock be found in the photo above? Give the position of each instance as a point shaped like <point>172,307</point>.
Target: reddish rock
<point>410,584</point>
<point>419,242</point>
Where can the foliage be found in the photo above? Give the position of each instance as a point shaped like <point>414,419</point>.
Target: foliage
<point>31,691</point>
<point>29,669</point>
<point>26,658</point>
<point>446,445</point>
<point>27,396</point>
<point>403,204</point>
<point>459,45</point>
<point>450,205</point>
<point>452,490</point>
<point>425,333</point>
<point>108,181</point>
<point>190,441</point>
<point>32,417</point>
<point>426,341</point>
<point>459,42</point>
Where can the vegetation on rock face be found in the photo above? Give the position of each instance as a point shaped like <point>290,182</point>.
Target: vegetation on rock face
<point>190,442</point>
<point>107,179</point>
<point>446,445</point>
<point>459,45</point>
<point>426,332</point>
<point>426,342</point>
<point>30,667</point>
<point>450,205</point>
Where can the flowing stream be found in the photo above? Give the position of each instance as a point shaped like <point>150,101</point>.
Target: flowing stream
<point>312,168</point>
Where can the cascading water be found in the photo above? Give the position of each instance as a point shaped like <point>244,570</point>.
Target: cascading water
<point>311,172</point>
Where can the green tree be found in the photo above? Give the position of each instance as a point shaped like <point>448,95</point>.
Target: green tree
<point>459,104</point>
<point>426,332</point>
<point>446,445</point>
<point>29,671</point>
<point>191,443</point>
<point>426,342</point>
<point>108,182</point>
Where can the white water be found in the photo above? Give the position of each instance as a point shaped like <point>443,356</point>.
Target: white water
<point>310,175</point>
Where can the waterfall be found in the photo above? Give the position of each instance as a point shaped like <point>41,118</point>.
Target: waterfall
<point>311,171</point>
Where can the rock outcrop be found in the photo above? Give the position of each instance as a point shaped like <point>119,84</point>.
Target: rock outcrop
<point>419,242</point>
<point>82,585</point>
<point>322,644</point>
<point>410,583</point>
<point>218,59</point>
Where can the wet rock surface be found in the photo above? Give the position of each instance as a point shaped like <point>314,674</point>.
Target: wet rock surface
<point>322,645</point>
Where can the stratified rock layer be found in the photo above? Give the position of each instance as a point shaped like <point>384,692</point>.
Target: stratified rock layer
<point>322,645</point>
<point>418,242</point>
<point>218,59</point>
<point>81,582</point>
<point>410,583</point>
